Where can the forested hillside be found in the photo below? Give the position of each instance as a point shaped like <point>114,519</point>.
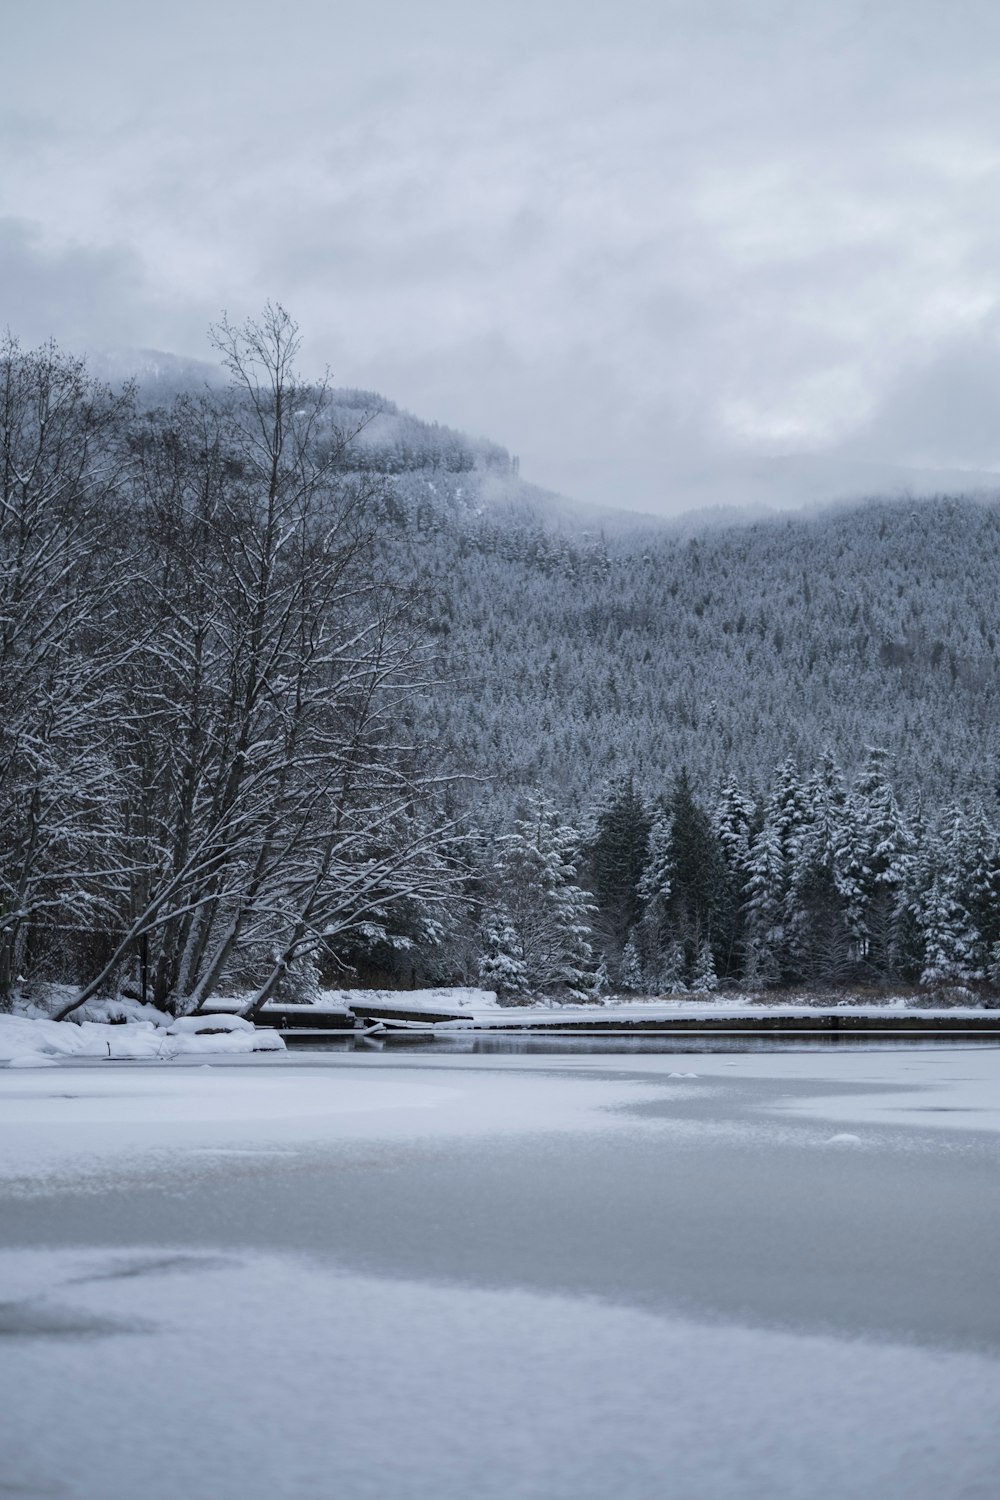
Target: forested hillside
<point>293,683</point>
<point>574,658</point>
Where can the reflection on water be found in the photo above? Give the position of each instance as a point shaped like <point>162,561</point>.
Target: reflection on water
<point>494,1044</point>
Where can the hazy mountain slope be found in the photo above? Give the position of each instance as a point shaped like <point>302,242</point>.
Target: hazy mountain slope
<point>574,643</point>
<point>727,652</point>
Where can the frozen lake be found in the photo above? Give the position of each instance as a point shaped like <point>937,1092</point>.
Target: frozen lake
<point>463,1274</point>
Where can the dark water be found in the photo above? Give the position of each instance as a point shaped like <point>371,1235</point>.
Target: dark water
<point>609,1044</point>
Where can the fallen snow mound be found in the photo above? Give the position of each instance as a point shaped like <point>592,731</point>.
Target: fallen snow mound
<point>208,1023</point>
<point>27,1042</point>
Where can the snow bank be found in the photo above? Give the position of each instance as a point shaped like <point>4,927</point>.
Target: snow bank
<point>27,1041</point>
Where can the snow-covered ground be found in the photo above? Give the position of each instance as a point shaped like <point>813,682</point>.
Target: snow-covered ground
<point>700,1275</point>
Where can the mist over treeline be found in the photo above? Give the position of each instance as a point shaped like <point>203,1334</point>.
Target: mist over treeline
<point>296,689</point>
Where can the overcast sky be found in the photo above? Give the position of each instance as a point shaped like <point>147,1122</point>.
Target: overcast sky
<point>648,246</point>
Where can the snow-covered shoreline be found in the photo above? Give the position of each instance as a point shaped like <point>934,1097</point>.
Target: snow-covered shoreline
<point>116,1031</point>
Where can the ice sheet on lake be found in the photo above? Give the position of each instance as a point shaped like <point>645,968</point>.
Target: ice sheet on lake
<point>274,1376</point>
<point>64,1119</point>
<point>205,1368</point>
<point>73,1120</point>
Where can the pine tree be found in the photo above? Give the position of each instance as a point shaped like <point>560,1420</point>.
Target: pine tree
<point>671,970</point>
<point>655,881</point>
<point>633,968</point>
<point>651,939</point>
<point>949,935</point>
<point>915,872</point>
<point>823,883</point>
<point>823,953</point>
<point>704,979</point>
<point>548,913</point>
<point>880,842</point>
<point>764,910</point>
<point>974,851</point>
<point>501,965</point>
<point>734,820</point>
<point>697,874</point>
<point>774,914</point>
<point>617,858</point>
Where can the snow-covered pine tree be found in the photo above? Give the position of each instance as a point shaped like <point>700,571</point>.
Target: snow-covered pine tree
<point>820,948</point>
<point>974,852</point>
<point>949,935</point>
<point>656,877</point>
<point>549,913</point>
<point>697,874</point>
<point>671,970</point>
<point>879,847</point>
<point>764,910</point>
<point>774,915</point>
<point>501,964</point>
<point>634,970</point>
<point>616,860</point>
<point>915,873</point>
<point>734,823</point>
<point>704,978</point>
<point>652,959</point>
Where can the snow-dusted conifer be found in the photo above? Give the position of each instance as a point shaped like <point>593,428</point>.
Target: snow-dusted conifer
<point>548,911</point>
<point>734,820</point>
<point>501,964</point>
<point>949,935</point>
<point>703,977</point>
<point>616,858</point>
<point>880,846</point>
<point>633,969</point>
<point>764,910</point>
<point>671,969</point>
<point>974,853</point>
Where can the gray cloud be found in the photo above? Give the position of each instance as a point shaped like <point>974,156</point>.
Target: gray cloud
<point>944,412</point>
<point>57,290</point>
<point>649,246</point>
